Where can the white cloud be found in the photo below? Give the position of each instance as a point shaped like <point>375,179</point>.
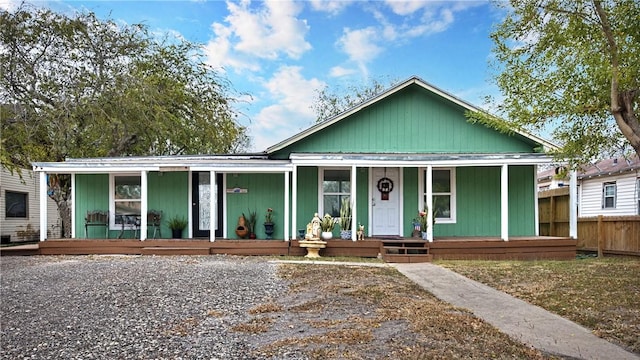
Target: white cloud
<point>339,71</point>
<point>360,45</point>
<point>9,5</point>
<point>332,7</point>
<point>293,96</point>
<point>263,32</point>
<point>404,8</point>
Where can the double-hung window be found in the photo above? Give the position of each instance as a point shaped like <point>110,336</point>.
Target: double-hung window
<point>336,185</point>
<point>16,204</point>
<point>609,195</point>
<point>444,194</point>
<point>125,198</point>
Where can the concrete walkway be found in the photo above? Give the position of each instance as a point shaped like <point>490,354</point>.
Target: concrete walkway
<point>524,322</point>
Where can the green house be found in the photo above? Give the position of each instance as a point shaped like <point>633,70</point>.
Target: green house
<point>408,149</point>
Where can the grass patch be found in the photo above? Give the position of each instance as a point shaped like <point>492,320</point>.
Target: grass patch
<point>602,294</point>
<point>254,326</point>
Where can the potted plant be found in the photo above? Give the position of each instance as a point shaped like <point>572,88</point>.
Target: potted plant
<point>345,219</point>
<point>177,225</point>
<point>268,223</point>
<point>327,225</point>
<point>251,224</point>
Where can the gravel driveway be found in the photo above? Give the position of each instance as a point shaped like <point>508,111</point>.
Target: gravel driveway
<point>131,307</point>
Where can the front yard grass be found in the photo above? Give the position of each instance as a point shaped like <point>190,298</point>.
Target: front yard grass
<point>602,294</point>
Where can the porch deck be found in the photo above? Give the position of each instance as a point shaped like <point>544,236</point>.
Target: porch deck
<point>392,250</point>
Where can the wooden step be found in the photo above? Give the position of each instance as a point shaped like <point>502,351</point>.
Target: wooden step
<point>162,250</point>
<point>407,258</point>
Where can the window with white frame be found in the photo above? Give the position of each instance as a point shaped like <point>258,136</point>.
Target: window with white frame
<point>125,198</point>
<point>444,194</point>
<point>336,185</point>
<point>609,195</point>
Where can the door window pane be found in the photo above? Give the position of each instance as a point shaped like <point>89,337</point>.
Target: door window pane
<point>204,203</point>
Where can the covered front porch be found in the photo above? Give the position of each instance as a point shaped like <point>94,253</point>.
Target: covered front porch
<point>388,249</point>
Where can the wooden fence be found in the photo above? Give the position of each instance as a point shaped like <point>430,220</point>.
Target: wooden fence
<point>604,234</point>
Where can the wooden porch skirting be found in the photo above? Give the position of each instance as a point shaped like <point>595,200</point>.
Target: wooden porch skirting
<point>521,248</point>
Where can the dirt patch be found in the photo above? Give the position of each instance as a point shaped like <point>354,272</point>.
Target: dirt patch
<point>371,313</point>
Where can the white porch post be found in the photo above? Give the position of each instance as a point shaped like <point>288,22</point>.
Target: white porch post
<point>573,204</point>
<point>212,206</point>
<point>294,202</point>
<point>353,204</point>
<point>504,202</point>
<point>73,207</point>
<point>43,206</point>
<point>429,204</point>
<point>536,213</point>
<point>144,204</point>
<point>286,206</point>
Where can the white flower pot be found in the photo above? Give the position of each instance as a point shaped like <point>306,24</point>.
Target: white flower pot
<point>326,235</point>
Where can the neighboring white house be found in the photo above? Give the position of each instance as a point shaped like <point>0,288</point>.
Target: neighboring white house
<point>610,187</point>
<point>20,207</point>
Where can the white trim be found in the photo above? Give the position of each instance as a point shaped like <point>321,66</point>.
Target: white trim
<point>504,202</point>
<point>322,162</point>
<point>294,202</point>
<point>144,205</point>
<point>212,205</point>
<point>453,218</point>
<point>321,193</point>
<point>286,206</point>
<point>429,194</point>
<point>73,207</point>
<point>536,213</point>
<point>112,203</point>
<point>369,202</point>
<point>353,200</point>
<point>400,202</point>
<point>189,203</point>
<point>43,206</point>
<point>225,213</point>
<point>573,206</point>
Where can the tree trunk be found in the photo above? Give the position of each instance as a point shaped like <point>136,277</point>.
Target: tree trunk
<point>64,211</point>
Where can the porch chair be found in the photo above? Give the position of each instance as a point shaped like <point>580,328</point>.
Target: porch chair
<point>154,219</point>
<point>96,218</point>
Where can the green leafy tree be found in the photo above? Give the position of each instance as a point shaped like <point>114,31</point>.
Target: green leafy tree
<point>75,87</point>
<point>331,102</point>
<point>574,65</point>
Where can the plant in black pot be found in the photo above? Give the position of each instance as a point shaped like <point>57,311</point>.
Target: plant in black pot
<point>177,225</point>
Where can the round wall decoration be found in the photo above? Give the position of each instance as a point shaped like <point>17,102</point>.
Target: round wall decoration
<point>385,186</point>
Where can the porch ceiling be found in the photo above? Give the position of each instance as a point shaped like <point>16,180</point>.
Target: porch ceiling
<point>419,160</point>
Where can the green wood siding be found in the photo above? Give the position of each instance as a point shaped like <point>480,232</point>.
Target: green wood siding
<point>478,202</point>
<point>168,193</point>
<point>413,120</point>
<point>522,201</point>
<point>264,191</point>
<point>91,193</point>
<point>307,196</point>
<point>362,197</point>
<point>411,195</point>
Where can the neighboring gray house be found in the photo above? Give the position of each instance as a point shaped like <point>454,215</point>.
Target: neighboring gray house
<point>20,206</point>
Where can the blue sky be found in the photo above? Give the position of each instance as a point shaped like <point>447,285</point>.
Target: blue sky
<point>281,52</point>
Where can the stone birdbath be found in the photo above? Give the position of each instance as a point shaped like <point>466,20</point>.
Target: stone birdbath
<point>312,241</point>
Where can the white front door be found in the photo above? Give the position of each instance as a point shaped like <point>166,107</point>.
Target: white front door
<point>385,201</point>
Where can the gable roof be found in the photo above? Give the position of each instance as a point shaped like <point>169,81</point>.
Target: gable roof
<point>610,167</point>
<point>401,86</point>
